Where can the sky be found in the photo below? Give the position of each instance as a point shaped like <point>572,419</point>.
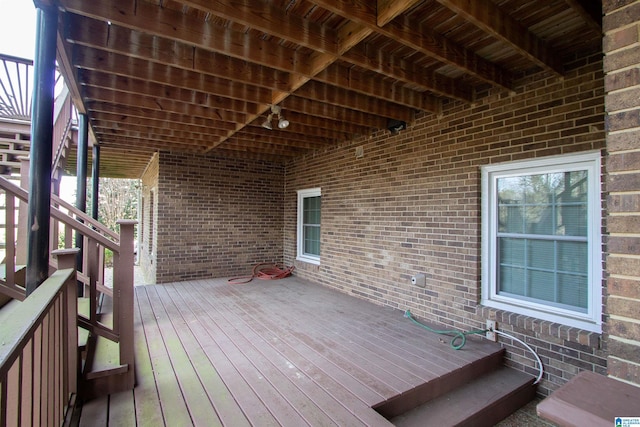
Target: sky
<point>18,38</point>
<point>18,28</point>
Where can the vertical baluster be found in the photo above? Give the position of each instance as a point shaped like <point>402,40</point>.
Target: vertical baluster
<point>10,231</point>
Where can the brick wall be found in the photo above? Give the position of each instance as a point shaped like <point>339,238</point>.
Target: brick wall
<point>412,204</point>
<point>216,217</point>
<point>622,83</point>
<point>148,230</point>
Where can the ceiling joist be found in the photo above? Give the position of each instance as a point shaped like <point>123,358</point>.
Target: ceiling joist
<point>202,76</point>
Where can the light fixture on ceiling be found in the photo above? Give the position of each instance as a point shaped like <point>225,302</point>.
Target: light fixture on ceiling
<point>267,123</point>
<point>395,126</point>
<point>276,110</point>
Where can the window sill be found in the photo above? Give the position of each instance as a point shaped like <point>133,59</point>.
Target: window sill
<point>542,328</point>
<point>308,260</point>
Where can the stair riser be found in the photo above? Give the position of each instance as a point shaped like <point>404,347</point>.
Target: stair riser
<point>439,386</point>
<point>498,411</point>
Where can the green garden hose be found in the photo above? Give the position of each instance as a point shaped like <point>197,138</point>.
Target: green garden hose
<point>457,335</point>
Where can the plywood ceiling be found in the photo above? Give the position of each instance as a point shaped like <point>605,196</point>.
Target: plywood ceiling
<point>201,76</point>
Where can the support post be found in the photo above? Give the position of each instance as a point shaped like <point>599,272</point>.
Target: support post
<point>123,305</point>
<point>81,184</point>
<point>95,181</point>
<point>41,149</point>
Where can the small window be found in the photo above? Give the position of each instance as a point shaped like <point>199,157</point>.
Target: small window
<point>541,243</point>
<point>309,203</point>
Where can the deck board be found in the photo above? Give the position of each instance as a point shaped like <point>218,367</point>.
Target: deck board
<point>147,401</point>
<point>272,353</point>
<point>174,407</point>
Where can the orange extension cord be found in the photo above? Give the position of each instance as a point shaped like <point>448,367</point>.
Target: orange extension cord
<point>264,271</point>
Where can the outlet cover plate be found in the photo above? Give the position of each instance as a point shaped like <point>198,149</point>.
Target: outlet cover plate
<point>490,335</point>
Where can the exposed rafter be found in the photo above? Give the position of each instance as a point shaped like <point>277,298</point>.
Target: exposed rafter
<point>492,20</point>
<point>202,76</point>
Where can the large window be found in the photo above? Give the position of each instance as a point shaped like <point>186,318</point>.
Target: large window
<point>309,225</point>
<point>541,246</point>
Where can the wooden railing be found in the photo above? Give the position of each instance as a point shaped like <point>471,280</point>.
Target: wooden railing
<point>38,355</point>
<point>64,120</point>
<point>96,239</point>
<point>9,287</point>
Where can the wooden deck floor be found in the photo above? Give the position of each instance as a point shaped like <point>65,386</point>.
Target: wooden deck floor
<point>271,353</point>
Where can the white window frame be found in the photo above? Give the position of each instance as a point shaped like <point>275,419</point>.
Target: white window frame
<point>301,256</point>
<point>589,161</point>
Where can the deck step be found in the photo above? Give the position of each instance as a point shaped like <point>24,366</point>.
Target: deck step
<point>481,402</point>
<point>20,279</point>
<point>106,360</point>
<point>83,334</point>
<point>439,386</point>
<point>590,399</point>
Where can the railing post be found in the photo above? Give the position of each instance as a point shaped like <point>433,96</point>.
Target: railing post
<point>67,259</point>
<point>123,291</point>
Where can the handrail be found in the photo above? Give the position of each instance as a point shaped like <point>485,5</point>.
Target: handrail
<point>88,220</point>
<point>65,111</point>
<point>46,320</point>
<point>60,147</point>
<point>95,234</point>
<point>67,220</point>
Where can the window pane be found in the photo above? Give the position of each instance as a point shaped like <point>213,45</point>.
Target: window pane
<point>510,217</point>
<point>573,291</point>
<point>512,280</point>
<point>541,254</point>
<point>539,219</point>
<point>312,240</point>
<point>544,204</point>
<point>541,285</point>
<point>545,270</point>
<point>511,251</point>
<point>573,220</point>
<point>311,212</point>
<point>572,257</point>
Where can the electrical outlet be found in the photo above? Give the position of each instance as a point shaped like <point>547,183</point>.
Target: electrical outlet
<point>492,325</point>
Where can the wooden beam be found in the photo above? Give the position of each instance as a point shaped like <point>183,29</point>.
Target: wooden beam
<point>148,18</point>
<point>112,63</point>
<point>92,33</point>
<point>366,83</point>
<point>334,124</point>
<point>426,41</point>
<point>493,21</point>
<point>319,109</point>
<point>101,119</point>
<point>389,9</point>
<point>114,127</point>
<point>278,138</point>
<point>102,80</point>
<point>386,64</point>
<point>124,41</point>
<point>234,143</point>
<point>161,104</point>
<point>154,114</point>
<point>300,132</point>
<point>354,101</point>
<point>142,141</point>
<point>262,16</point>
<point>591,12</point>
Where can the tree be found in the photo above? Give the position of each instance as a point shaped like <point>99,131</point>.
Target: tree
<point>117,199</point>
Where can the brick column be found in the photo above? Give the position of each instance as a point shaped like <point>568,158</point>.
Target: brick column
<point>621,46</point>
